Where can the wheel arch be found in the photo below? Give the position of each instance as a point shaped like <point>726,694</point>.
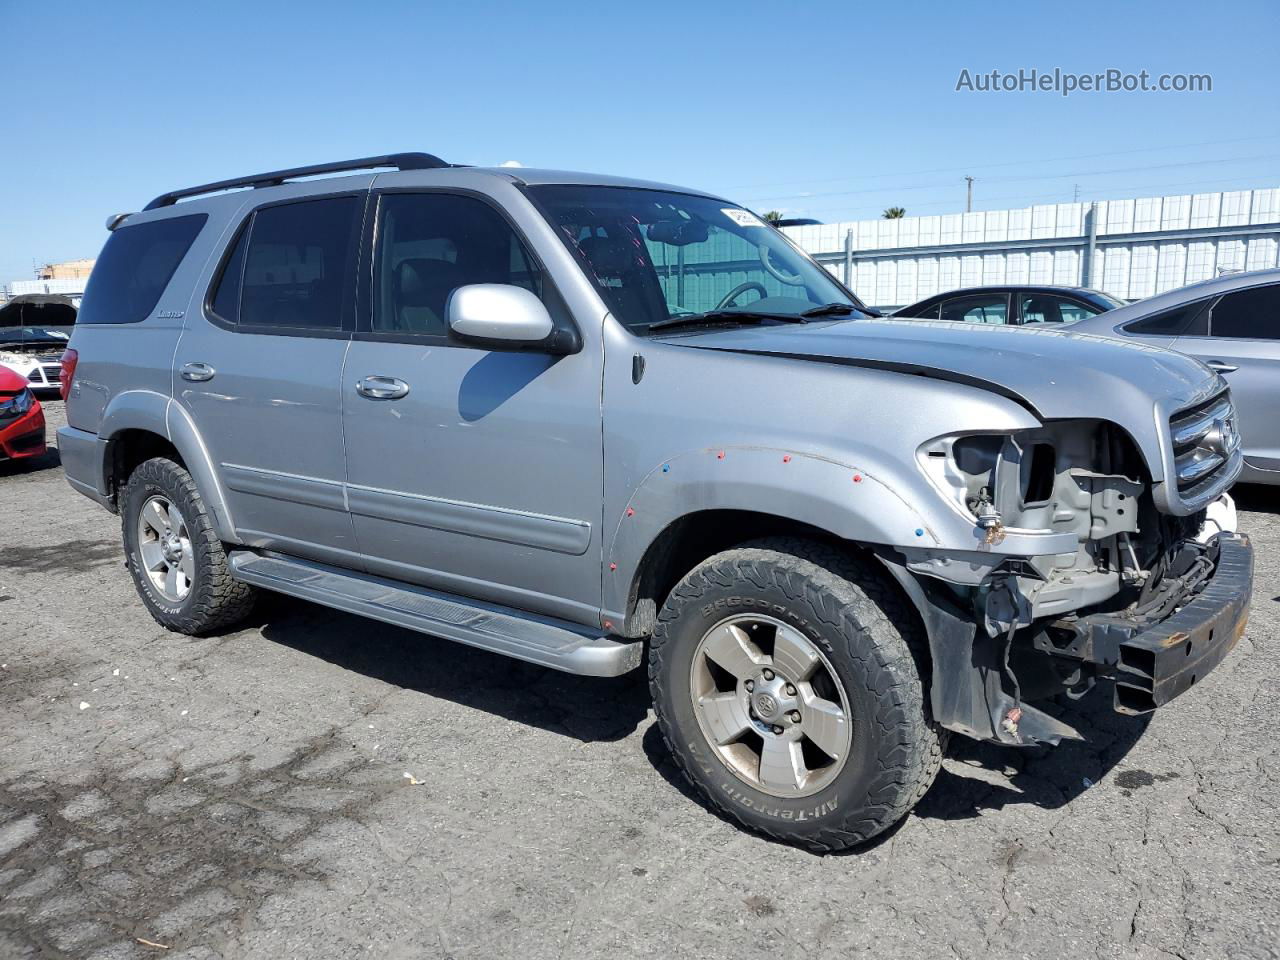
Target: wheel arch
<point>139,425</point>
<point>710,500</point>
<point>686,542</point>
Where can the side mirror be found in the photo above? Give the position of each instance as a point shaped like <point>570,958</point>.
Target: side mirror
<point>502,317</point>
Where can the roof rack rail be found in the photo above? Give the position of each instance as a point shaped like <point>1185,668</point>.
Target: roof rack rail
<point>401,161</point>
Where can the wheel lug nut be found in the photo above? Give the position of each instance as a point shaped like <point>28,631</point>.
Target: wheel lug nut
<point>791,690</point>
<point>795,716</point>
<point>777,730</point>
<point>750,685</point>
<point>768,674</point>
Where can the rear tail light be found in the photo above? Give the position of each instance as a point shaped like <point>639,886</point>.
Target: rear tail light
<point>69,359</point>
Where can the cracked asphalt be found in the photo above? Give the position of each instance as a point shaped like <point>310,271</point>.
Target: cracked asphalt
<point>319,786</point>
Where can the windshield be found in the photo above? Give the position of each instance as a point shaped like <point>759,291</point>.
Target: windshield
<point>656,256</point>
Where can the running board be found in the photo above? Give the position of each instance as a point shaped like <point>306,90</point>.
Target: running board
<point>551,643</point>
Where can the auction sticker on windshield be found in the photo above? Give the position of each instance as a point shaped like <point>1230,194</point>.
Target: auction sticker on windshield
<point>743,218</point>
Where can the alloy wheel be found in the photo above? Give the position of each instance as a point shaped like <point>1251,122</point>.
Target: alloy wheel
<point>770,704</point>
<point>164,546</point>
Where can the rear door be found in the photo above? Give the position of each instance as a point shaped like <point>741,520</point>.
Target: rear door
<point>259,371</point>
<point>1243,344</point>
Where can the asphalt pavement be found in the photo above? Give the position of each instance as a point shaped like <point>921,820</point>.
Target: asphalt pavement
<point>315,785</point>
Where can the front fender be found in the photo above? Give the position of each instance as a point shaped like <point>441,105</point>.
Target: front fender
<point>848,500</point>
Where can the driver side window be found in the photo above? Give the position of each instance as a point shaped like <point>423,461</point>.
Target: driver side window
<point>430,244</point>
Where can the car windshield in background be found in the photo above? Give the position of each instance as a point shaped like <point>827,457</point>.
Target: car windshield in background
<point>664,259</point>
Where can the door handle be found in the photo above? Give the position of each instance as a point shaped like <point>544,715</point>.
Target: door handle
<point>197,372</point>
<point>382,388</point>
<point>1217,366</point>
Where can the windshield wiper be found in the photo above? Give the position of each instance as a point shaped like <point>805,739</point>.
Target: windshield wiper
<point>836,309</point>
<point>711,316</point>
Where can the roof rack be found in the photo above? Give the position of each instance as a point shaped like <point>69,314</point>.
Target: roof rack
<point>401,161</point>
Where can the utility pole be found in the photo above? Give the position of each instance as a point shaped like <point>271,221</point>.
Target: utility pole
<point>1075,197</point>
<point>968,200</point>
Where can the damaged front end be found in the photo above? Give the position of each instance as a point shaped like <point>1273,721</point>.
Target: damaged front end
<point>1076,576</point>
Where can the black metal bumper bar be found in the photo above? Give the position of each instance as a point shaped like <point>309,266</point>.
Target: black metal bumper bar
<point>1152,664</point>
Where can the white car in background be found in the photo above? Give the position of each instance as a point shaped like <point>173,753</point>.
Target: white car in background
<point>34,330</point>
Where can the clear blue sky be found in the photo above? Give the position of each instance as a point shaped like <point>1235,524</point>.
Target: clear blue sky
<point>831,110</point>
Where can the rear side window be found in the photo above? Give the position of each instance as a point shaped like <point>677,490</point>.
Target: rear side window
<point>1188,320</point>
<point>226,299</point>
<point>292,267</point>
<point>981,309</point>
<point>1247,315</point>
<point>135,266</point>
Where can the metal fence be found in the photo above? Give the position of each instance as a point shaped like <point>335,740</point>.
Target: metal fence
<point>1128,248</point>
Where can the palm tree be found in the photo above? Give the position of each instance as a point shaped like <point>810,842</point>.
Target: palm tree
<point>895,213</point>
<point>773,216</point>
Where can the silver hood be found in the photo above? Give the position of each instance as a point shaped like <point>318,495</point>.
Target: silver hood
<point>1055,373</point>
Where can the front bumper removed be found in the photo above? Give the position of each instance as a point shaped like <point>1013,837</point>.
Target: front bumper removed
<point>1153,663</point>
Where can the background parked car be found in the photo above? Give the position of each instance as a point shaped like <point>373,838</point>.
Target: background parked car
<point>1231,323</point>
<point>21,419</point>
<point>34,330</point>
<point>1014,304</point>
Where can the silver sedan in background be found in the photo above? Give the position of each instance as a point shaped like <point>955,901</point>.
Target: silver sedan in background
<point>1231,323</point>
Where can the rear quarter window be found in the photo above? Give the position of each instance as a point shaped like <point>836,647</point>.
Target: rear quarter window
<point>1187,320</point>
<point>135,266</point>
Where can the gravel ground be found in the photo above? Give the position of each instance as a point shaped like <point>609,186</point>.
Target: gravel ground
<point>246,795</point>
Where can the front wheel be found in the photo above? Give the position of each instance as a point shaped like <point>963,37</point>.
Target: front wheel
<point>785,685</point>
<point>178,564</point>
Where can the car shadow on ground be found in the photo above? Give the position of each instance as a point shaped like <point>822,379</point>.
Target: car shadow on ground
<point>1256,497</point>
<point>585,708</point>
<point>993,777</point>
<point>978,777</point>
<point>46,461</point>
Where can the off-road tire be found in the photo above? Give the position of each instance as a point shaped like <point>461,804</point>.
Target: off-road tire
<point>215,599</point>
<point>871,635</point>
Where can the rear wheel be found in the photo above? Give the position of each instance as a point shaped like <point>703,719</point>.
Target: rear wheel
<point>179,566</point>
<point>785,684</point>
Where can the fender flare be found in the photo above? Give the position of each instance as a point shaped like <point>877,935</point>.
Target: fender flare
<point>159,414</point>
<point>844,499</point>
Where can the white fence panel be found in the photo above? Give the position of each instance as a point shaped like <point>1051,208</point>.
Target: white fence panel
<point>1047,243</point>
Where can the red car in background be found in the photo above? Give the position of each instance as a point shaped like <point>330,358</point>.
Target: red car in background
<point>21,419</point>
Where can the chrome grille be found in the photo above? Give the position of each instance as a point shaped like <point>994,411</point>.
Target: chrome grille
<point>1204,438</point>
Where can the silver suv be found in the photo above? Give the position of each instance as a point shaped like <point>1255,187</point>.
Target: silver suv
<point>593,423</point>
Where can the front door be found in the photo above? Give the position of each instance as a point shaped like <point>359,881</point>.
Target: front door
<point>259,369</point>
<point>476,472</point>
<point>1243,344</point>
